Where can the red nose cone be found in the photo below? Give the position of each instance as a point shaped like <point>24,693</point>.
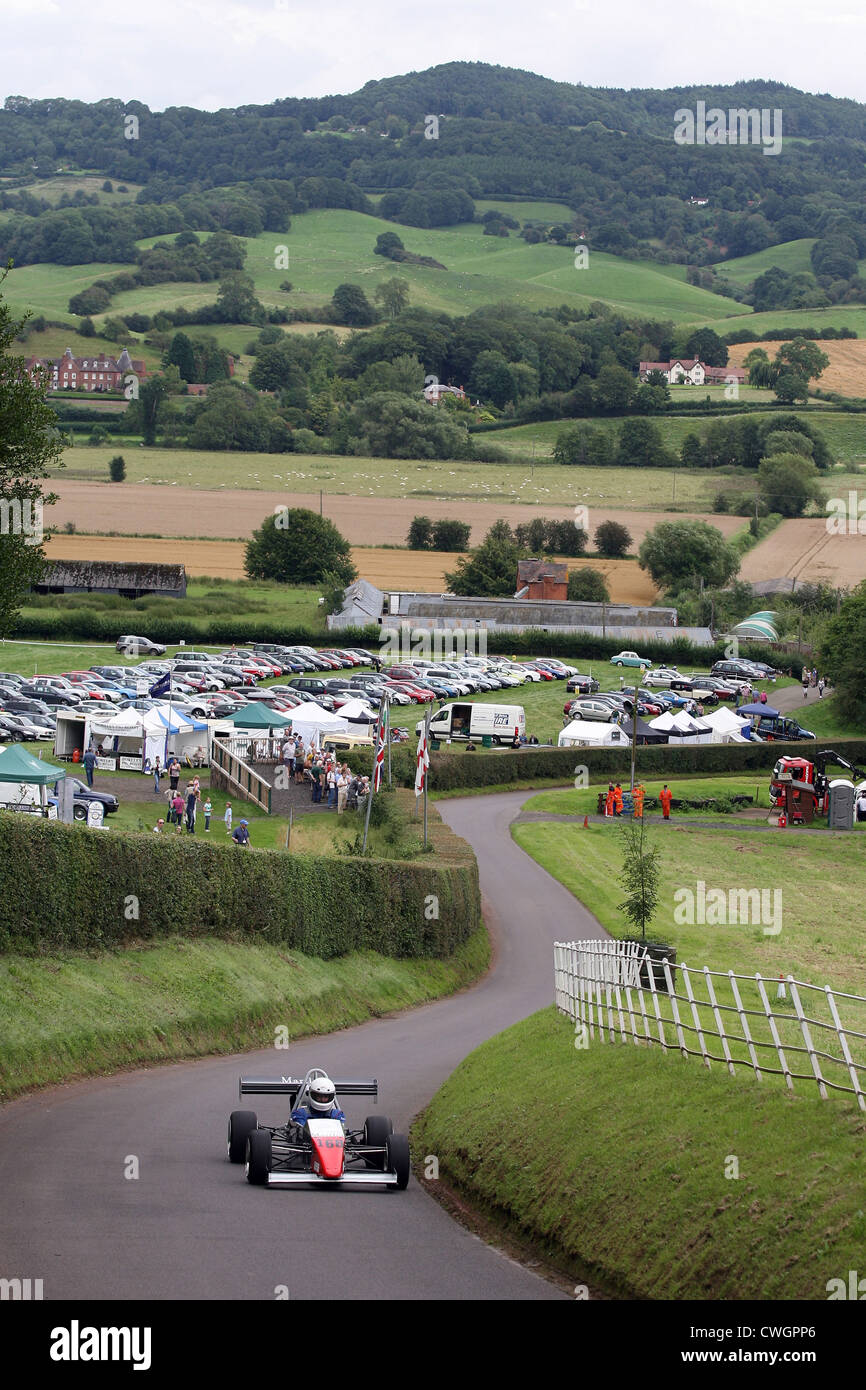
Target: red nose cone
<point>328,1154</point>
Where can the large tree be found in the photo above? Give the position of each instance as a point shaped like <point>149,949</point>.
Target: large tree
<point>296,546</point>
<point>841,655</point>
<point>393,295</point>
<point>491,570</point>
<point>675,552</point>
<point>788,482</point>
<point>30,446</point>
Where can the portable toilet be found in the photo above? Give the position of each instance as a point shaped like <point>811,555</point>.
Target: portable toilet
<point>841,813</point>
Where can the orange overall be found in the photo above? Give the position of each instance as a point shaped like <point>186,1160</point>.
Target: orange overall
<point>665,799</point>
<point>637,798</point>
<point>617,796</point>
<point>608,802</point>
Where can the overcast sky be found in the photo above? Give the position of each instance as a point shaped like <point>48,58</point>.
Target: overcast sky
<point>214,53</point>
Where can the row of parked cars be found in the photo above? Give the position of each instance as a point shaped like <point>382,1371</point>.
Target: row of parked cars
<point>668,688</point>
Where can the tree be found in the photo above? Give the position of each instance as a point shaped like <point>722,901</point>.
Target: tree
<point>676,552</point>
<point>788,482</point>
<point>614,388</point>
<point>803,357</point>
<point>841,655</point>
<point>705,344</point>
<point>386,244</point>
<point>790,387</point>
<point>491,570</point>
<point>639,875</point>
<point>588,586</point>
<point>451,535</point>
<point>296,546</point>
<point>420,533</point>
<point>641,445</point>
<point>393,295</point>
<point>236,299</point>
<point>117,468</point>
<point>152,394</point>
<point>87,328</point>
<point>351,306</point>
<point>182,356</point>
<point>94,300</point>
<point>584,444</point>
<point>612,539</point>
<point>30,446</point>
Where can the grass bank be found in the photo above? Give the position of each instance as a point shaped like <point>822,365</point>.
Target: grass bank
<point>619,1168</point>
<point>74,1014</point>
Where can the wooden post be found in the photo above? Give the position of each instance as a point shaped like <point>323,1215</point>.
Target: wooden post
<point>289,827</point>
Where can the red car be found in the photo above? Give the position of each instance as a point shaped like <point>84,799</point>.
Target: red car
<point>416,693</point>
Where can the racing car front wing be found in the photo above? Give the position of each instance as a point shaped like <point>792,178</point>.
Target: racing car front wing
<point>282,1179</point>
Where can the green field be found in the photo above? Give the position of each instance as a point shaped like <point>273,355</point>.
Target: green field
<point>506,482</point>
<point>83,1014</point>
<point>792,256</point>
<point>329,246</point>
<point>618,1172</point>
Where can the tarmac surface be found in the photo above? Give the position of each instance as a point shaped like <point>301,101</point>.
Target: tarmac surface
<point>190,1227</point>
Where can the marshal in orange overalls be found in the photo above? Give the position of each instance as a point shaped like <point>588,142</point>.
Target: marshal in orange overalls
<point>608,802</point>
<point>665,797</point>
<point>617,797</point>
<point>637,798</point>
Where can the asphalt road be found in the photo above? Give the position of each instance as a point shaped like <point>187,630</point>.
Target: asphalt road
<point>190,1226</point>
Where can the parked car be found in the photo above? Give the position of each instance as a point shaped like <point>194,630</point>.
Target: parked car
<point>139,646</point>
<point>582,685</point>
<point>598,710</point>
<point>84,795</point>
<point>630,659</point>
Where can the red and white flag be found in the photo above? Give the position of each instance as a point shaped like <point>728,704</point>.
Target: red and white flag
<point>381,736</point>
<point>423,763</point>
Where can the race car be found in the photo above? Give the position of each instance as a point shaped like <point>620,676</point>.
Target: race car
<point>314,1146</point>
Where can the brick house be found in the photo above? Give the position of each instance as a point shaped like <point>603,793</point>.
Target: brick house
<point>91,373</point>
<point>545,579</point>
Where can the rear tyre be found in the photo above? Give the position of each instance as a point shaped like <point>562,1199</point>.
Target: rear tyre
<point>398,1159</point>
<point>258,1157</point>
<point>242,1123</point>
<point>79,813</point>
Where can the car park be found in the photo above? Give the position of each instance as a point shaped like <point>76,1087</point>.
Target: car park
<point>582,685</point>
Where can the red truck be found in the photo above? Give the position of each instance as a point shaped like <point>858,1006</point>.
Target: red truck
<point>808,778</point>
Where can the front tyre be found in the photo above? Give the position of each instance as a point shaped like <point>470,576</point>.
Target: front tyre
<point>242,1123</point>
<point>258,1158</point>
<point>397,1158</point>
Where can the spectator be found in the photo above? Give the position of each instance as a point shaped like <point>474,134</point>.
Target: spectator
<point>331,783</point>
<point>352,793</point>
<point>89,765</point>
<point>317,772</point>
<point>805,684</point>
<point>157,829</point>
<point>763,697</point>
<point>821,684</point>
<point>208,810</point>
<point>342,788</point>
<point>157,773</point>
<point>190,809</point>
<point>177,804</point>
<point>173,772</point>
<point>242,834</point>
<point>196,786</point>
<point>228,818</point>
<point>289,758</point>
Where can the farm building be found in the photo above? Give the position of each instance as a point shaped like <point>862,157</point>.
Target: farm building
<point>542,579</point>
<point>692,372</point>
<point>109,577</point>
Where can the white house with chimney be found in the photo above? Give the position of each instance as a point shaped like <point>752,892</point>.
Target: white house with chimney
<point>691,371</point>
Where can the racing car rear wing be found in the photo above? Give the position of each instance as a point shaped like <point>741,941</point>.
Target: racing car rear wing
<point>289,1086</point>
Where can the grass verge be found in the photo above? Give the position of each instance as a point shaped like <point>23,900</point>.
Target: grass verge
<point>637,1198</point>
<point>77,1014</point>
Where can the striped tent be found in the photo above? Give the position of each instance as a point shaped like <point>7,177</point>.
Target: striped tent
<point>758,625</point>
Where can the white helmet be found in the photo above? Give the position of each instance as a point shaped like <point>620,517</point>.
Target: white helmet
<point>323,1095</point>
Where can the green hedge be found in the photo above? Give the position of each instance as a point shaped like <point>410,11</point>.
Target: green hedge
<point>451,772</point>
<point>67,887</point>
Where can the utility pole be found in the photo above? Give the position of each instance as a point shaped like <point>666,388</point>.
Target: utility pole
<point>320,502</point>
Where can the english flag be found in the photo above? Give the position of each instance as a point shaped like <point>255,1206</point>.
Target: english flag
<point>380,751</point>
<point>422,764</point>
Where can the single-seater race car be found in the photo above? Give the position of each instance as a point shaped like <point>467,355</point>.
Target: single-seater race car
<point>314,1145</point>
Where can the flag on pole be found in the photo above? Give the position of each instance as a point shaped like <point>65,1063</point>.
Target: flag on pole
<point>422,763</point>
<point>381,736</point>
<point>161,686</point>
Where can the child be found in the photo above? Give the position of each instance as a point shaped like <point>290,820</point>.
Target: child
<point>208,808</point>
<point>228,818</point>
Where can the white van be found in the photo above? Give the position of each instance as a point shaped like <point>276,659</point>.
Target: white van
<point>471,721</point>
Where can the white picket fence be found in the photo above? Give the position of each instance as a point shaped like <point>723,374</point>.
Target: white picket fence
<point>598,984</point>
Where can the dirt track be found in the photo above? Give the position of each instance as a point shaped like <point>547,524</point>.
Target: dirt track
<point>147,509</point>
<point>804,550</point>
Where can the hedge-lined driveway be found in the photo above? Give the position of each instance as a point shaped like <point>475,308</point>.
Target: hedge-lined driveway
<point>190,1227</point>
